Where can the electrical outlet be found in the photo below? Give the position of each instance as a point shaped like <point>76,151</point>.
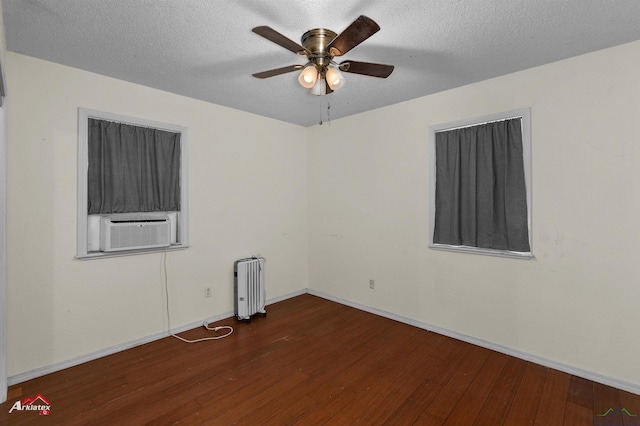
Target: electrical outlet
<point>372,284</point>
<point>207,292</point>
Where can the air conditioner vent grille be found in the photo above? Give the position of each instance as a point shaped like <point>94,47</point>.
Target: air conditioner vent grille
<point>122,233</point>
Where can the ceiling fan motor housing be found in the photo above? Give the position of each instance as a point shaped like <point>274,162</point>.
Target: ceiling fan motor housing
<point>316,41</point>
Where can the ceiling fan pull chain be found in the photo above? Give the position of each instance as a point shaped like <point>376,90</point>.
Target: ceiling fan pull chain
<point>328,114</point>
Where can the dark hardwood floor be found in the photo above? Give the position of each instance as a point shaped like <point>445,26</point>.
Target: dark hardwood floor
<point>315,362</point>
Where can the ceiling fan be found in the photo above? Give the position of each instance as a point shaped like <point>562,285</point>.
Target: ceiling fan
<point>321,74</point>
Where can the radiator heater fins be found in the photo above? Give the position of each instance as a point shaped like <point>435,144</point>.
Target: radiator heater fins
<point>249,290</point>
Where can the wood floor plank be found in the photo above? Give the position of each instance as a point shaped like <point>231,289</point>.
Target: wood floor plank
<point>172,416</point>
<point>314,362</point>
<point>354,384</point>
<point>467,409</point>
<point>337,367</point>
<point>526,401</point>
<point>606,398</point>
<point>631,404</point>
<point>577,415</point>
<point>501,396</point>
<point>409,412</point>
<point>246,406</point>
<point>553,399</point>
<point>465,372</point>
<point>580,392</point>
<point>394,381</point>
<point>409,374</point>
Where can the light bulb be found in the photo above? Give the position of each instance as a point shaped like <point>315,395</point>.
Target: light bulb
<point>308,76</point>
<point>334,77</point>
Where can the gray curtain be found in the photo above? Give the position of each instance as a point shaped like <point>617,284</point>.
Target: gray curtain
<point>132,169</point>
<point>480,189</point>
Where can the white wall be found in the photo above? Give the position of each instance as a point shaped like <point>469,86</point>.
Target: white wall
<point>578,301</point>
<point>247,195</point>
<point>366,181</point>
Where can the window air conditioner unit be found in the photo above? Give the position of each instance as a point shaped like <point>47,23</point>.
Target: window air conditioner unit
<point>133,231</point>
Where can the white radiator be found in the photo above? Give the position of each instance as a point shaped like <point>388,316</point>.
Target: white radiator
<point>134,231</point>
<point>249,290</point>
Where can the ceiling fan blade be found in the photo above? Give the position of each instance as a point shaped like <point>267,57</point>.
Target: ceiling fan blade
<point>274,36</point>
<point>367,68</point>
<point>359,30</point>
<point>277,71</point>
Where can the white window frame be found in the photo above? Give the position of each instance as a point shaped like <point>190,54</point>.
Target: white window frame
<point>525,115</point>
<point>84,115</point>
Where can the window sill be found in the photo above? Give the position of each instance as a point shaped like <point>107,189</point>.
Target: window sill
<point>485,252</point>
<point>103,255</point>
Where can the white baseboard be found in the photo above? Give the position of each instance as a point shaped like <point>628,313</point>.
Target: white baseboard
<point>545,362</point>
<point>28,375</point>
<point>286,296</point>
<point>589,375</point>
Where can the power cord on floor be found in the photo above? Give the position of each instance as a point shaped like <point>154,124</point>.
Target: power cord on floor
<point>205,324</point>
<point>204,339</point>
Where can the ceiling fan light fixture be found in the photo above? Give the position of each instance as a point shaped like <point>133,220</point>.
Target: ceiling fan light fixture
<point>321,75</point>
<point>308,76</point>
<point>334,77</point>
<point>320,88</point>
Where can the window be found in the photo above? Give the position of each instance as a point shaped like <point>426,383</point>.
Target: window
<point>131,175</point>
<point>480,195</point>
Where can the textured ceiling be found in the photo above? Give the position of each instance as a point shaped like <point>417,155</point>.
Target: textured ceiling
<point>205,49</point>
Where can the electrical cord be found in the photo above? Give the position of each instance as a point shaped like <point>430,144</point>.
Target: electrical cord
<point>204,339</point>
<point>205,324</point>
